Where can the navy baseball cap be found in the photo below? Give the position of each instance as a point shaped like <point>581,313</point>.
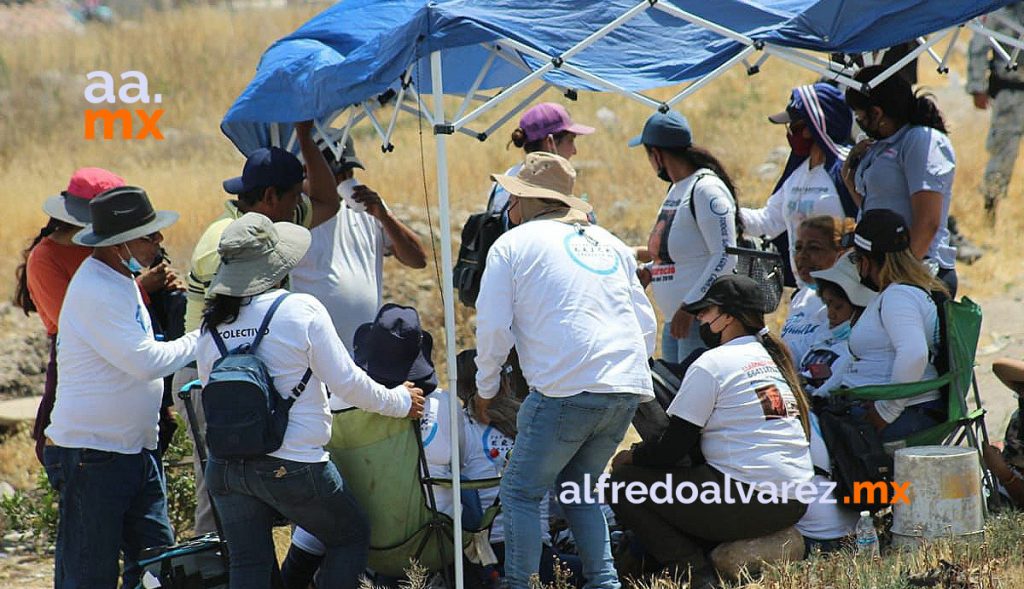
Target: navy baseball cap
<point>668,129</point>
<point>267,166</point>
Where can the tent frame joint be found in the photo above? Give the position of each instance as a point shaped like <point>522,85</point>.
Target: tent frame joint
<point>481,137</point>
<point>444,129</point>
<point>652,2</point>
<point>557,61</point>
<point>664,108</point>
<point>571,94</point>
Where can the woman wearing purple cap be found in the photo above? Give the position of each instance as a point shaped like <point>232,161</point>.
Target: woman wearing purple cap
<point>544,127</point>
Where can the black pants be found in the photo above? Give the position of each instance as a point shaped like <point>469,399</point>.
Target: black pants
<point>677,534</point>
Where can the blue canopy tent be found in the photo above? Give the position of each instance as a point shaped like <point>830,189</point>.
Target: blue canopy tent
<point>360,57</point>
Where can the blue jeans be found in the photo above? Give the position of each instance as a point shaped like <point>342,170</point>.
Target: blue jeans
<point>560,440</point>
<point>913,419</point>
<point>249,493</point>
<point>109,503</point>
<point>677,350</point>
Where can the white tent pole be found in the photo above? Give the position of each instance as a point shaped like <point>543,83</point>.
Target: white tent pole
<point>448,289</point>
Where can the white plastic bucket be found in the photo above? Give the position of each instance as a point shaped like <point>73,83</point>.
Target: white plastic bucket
<point>945,495</point>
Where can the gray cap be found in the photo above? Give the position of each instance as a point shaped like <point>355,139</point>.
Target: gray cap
<point>256,254</point>
<point>348,158</point>
<point>665,129</point>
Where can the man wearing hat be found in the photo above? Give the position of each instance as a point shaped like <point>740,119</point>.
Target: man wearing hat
<point>696,222</point>
<point>271,184</point>
<point>818,122</point>
<point>53,259</point>
<point>565,294</point>
<point>345,263</point>
<point>101,447</point>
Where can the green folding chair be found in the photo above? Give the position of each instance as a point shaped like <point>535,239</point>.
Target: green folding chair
<point>958,384</point>
<point>383,464</point>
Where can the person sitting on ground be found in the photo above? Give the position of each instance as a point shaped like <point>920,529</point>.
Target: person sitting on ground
<point>845,298</point>
<point>1008,465</point>
<point>817,247</point>
<point>101,447</point>
<point>697,221</point>
<point>898,334</point>
<point>344,267</point>
<point>299,345</point>
<point>271,184</point>
<point>817,123</point>
<point>543,127</point>
<point>738,421</point>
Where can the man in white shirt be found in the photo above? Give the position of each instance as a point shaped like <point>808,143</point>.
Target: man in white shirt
<point>344,267</point>
<point>101,443</point>
<point>566,295</point>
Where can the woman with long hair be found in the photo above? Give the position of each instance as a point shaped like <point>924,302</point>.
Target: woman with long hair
<point>302,353</point>
<point>696,222</point>
<point>738,423</point>
<point>48,264</point>
<point>543,127</point>
<point>897,335</point>
<point>907,165</point>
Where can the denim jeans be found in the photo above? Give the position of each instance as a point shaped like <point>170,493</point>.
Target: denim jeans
<point>247,495</point>
<point>677,350</point>
<point>109,503</point>
<point>560,440</point>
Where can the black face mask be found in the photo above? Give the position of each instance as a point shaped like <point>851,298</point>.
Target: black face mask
<point>663,174</point>
<point>872,133</point>
<point>867,281</point>
<point>710,338</point>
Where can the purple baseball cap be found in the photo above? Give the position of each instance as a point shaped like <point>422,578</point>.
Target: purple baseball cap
<point>548,118</point>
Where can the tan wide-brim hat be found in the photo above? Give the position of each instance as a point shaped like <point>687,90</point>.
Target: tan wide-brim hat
<point>544,175</point>
<point>256,254</point>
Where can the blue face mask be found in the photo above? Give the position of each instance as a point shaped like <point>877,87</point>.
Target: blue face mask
<point>842,331</point>
<point>131,263</point>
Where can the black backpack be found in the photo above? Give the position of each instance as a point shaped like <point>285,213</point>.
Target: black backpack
<point>245,415</point>
<point>478,235</point>
<point>857,456</point>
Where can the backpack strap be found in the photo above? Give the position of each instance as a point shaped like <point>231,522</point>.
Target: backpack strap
<point>693,211</point>
<point>219,342</point>
<point>266,322</point>
<point>297,391</point>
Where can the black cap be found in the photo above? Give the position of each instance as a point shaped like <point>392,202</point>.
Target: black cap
<point>879,231</point>
<point>732,292</point>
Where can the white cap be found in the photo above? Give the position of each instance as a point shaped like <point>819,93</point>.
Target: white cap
<point>865,514</point>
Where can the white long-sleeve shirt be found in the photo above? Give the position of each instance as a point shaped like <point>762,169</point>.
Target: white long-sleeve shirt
<point>689,248</point>
<point>110,366</point>
<point>300,336</point>
<point>807,192</point>
<point>573,307</point>
<point>891,343</point>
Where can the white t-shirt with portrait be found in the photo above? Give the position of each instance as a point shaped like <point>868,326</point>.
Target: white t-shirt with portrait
<point>750,421</point>
<point>689,248</point>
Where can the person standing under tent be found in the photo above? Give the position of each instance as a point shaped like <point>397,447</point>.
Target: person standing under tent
<point>271,184</point>
<point>818,125</point>
<point>906,166</point>
<point>101,447</point>
<point>565,293</point>
<point>697,221</point>
<point>543,127</point>
<point>344,267</point>
<point>991,82</point>
<point>302,352</point>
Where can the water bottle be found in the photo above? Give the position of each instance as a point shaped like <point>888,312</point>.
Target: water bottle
<point>867,538</point>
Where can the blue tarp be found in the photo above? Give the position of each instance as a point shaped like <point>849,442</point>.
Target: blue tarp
<point>358,49</point>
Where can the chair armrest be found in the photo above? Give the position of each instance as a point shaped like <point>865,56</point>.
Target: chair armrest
<point>888,392</point>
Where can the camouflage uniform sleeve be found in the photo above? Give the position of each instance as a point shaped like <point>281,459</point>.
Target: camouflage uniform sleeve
<point>977,64</point>
<point>304,212</point>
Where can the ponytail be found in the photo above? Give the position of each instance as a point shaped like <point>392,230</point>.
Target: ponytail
<point>220,309</point>
<point>783,358</point>
<point>22,298</point>
<point>519,140</point>
<point>926,113</point>
<point>697,158</point>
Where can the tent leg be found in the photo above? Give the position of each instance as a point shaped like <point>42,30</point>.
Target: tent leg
<point>448,290</point>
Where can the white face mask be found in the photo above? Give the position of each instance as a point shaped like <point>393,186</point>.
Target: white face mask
<point>842,331</point>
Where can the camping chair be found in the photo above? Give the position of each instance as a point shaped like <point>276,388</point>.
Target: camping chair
<point>963,329</point>
<point>383,464</point>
